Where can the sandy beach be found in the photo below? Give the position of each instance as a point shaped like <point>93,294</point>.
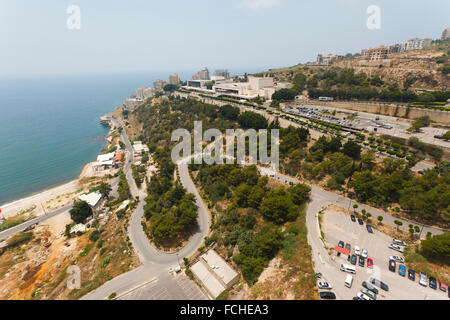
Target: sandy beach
<point>41,200</point>
<point>53,198</point>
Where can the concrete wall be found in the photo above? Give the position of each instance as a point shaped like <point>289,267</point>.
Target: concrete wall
<point>442,117</point>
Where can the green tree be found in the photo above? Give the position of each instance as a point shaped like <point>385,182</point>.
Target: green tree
<point>380,219</point>
<point>437,247</point>
<point>300,193</point>
<point>398,223</point>
<point>80,211</point>
<point>352,149</point>
<point>104,189</point>
<point>278,207</point>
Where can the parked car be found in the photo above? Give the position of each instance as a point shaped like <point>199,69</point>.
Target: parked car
<point>370,263</point>
<point>369,293</point>
<point>362,261</point>
<point>364,253</point>
<point>402,270</point>
<point>370,287</point>
<point>433,283</point>
<point>442,286</point>
<point>423,279</point>
<point>379,283</point>
<point>356,298</point>
<point>357,251</point>
<point>399,242</point>
<point>396,247</point>
<point>353,218</point>
<point>411,275</point>
<point>369,229</point>
<point>397,259</point>
<point>392,265</point>
<point>324,285</point>
<point>348,247</point>
<point>354,259</point>
<point>360,221</point>
<point>341,244</point>
<point>362,296</point>
<point>30,227</point>
<point>327,295</point>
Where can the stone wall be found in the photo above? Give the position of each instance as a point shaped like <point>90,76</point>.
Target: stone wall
<point>441,117</point>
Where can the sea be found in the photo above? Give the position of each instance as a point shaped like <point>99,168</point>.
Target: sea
<point>50,126</point>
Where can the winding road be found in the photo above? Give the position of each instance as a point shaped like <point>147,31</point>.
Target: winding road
<point>156,264</point>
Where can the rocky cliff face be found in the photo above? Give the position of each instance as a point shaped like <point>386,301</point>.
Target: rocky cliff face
<point>418,65</point>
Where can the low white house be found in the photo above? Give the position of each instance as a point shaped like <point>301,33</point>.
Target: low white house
<point>104,161</point>
<point>214,273</point>
<point>94,199</point>
<point>139,148</point>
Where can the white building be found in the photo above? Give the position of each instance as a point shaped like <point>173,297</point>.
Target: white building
<point>104,161</point>
<point>262,87</point>
<point>214,273</point>
<point>131,103</point>
<point>415,44</point>
<point>93,199</point>
<point>143,93</point>
<point>139,148</point>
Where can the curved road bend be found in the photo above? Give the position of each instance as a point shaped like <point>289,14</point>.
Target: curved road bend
<point>154,262</point>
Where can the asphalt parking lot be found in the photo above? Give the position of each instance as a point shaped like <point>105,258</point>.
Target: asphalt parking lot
<point>339,227</point>
<point>172,287</point>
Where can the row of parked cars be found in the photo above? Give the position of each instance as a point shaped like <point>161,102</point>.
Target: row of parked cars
<point>402,270</point>
<point>361,222</point>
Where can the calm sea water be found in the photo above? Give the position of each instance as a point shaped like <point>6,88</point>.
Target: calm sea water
<point>49,127</point>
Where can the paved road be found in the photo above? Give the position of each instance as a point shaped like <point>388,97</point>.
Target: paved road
<point>320,198</point>
<point>155,263</point>
<point>11,231</point>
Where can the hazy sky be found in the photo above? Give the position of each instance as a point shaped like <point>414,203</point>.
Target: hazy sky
<point>173,35</point>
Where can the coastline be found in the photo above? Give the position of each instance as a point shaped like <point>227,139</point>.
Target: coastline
<point>46,199</point>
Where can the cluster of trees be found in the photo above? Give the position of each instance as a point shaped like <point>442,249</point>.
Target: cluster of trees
<point>172,214</point>
<point>437,247</point>
<point>284,95</point>
<point>124,188</point>
<point>251,199</point>
<point>138,173</point>
<point>420,123</point>
<point>252,120</point>
<point>80,211</point>
<point>426,197</point>
<point>229,112</point>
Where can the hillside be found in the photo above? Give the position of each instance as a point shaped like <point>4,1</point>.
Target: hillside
<point>419,69</point>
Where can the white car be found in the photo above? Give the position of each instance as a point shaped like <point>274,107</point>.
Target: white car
<point>362,296</point>
<point>395,247</point>
<point>423,279</point>
<point>324,285</point>
<point>397,258</point>
<point>399,242</point>
<point>364,253</point>
<point>357,251</point>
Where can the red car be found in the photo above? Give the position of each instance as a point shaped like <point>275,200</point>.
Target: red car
<point>370,263</point>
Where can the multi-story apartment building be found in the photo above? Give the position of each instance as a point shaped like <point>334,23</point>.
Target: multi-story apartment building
<point>201,75</point>
<point>174,79</point>
<point>445,34</point>
<point>159,84</point>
